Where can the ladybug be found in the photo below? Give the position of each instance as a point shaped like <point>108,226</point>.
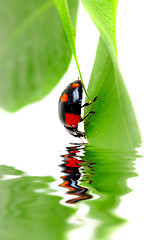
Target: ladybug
<point>70,104</point>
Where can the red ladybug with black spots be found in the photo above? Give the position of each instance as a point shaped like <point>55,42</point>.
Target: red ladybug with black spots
<point>70,108</point>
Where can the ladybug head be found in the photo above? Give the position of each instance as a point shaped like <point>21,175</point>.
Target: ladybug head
<point>75,132</point>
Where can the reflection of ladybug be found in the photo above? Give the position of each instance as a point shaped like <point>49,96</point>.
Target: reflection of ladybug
<point>71,166</point>
<point>70,107</point>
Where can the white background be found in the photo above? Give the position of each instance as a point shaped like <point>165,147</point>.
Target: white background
<point>32,139</point>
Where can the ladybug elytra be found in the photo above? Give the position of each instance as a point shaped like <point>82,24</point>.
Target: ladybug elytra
<point>70,108</point>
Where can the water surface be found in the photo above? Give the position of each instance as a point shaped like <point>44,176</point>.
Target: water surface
<point>30,209</point>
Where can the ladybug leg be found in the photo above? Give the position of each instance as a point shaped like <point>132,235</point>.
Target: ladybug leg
<point>89,103</point>
<point>82,119</point>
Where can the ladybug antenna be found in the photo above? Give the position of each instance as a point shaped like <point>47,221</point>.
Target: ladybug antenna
<point>81,140</point>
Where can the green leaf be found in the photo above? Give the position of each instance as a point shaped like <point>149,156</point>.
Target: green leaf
<point>35,52</point>
<point>114,125</point>
<point>64,13</point>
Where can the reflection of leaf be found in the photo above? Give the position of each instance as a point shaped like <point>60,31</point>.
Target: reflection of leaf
<point>114,125</point>
<point>28,212</point>
<point>34,50</point>
<point>107,178</point>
